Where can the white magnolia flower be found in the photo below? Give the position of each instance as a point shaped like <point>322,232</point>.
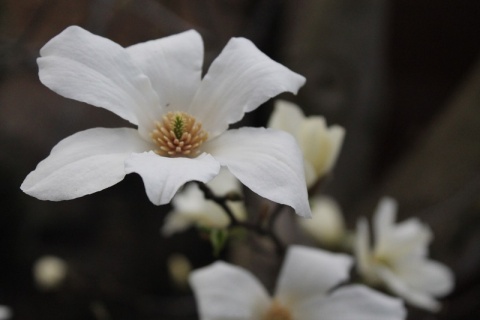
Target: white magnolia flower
<point>320,145</point>
<point>191,208</point>
<point>181,118</point>
<point>227,292</point>
<point>327,226</point>
<point>398,258</point>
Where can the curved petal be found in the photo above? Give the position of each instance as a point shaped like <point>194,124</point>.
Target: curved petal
<point>405,241</point>
<point>84,163</point>
<point>362,247</point>
<point>383,222</point>
<point>227,292</point>
<point>286,116</point>
<point>174,66</point>
<point>412,296</point>
<point>79,65</point>
<point>307,272</point>
<point>163,176</point>
<point>428,276</point>
<point>239,80</point>
<point>267,161</point>
<point>320,145</point>
<point>327,225</point>
<point>355,302</point>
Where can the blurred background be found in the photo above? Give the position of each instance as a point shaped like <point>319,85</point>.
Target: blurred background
<point>402,76</point>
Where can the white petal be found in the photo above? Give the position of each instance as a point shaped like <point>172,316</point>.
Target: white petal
<point>79,65</point>
<point>174,66</point>
<point>428,276</point>
<point>224,183</point>
<point>191,208</point>
<point>267,161</point>
<point>308,271</point>
<point>84,163</point>
<point>355,302</point>
<point>362,247</point>
<point>406,240</point>
<point>227,292</point>
<point>163,176</point>
<point>238,81</point>
<point>327,225</point>
<point>383,222</point>
<point>412,296</point>
<point>286,116</point>
<point>175,222</point>
<point>320,145</point>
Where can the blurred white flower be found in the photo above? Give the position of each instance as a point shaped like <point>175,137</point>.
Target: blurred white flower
<point>181,118</point>
<point>5,313</point>
<point>320,145</point>
<point>179,268</point>
<point>399,260</point>
<point>191,208</point>
<point>327,226</point>
<point>49,272</point>
<point>224,291</point>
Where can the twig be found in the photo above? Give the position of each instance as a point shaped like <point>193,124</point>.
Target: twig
<point>234,222</point>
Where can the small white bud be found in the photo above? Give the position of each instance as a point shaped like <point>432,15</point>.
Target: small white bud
<point>49,272</point>
<point>179,268</point>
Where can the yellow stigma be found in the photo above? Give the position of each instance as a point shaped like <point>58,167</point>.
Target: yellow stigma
<point>277,312</point>
<point>178,135</point>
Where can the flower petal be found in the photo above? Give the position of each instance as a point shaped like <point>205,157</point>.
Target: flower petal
<point>84,163</point>
<point>327,225</point>
<point>239,80</point>
<point>362,247</point>
<point>79,65</point>
<point>399,287</point>
<point>173,65</point>
<point>307,272</point>
<point>286,116</point>
<point>163,176</point>
<point>320,145</point>
<point>354,302</point>
<point>428,276</point>
<point>227,292</point>
<point>191,208</point>
<point>267,161</point>
<point>383,222</point>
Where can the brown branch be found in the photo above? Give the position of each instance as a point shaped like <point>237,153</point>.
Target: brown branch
<point>234,222</point>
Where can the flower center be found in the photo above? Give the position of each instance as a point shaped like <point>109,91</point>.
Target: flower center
<point>277,312</point>
<point>383,260</point>
<point>178,135</point>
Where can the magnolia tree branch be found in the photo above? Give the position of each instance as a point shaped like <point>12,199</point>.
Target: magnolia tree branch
<point>234,222</point>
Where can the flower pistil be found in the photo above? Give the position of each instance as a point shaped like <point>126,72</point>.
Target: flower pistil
<point>178,135</point>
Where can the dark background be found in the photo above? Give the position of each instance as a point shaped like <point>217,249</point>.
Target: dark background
<point>403,77</point>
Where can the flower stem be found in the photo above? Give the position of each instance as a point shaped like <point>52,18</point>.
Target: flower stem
<point>234,222</point>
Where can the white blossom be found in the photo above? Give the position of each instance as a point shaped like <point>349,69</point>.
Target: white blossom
<point>320,144</point>
<point>190,208</point>
<point>226,292</point>
<point>327,226</point>
<point>181,118</point>
<point>399,260</point>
